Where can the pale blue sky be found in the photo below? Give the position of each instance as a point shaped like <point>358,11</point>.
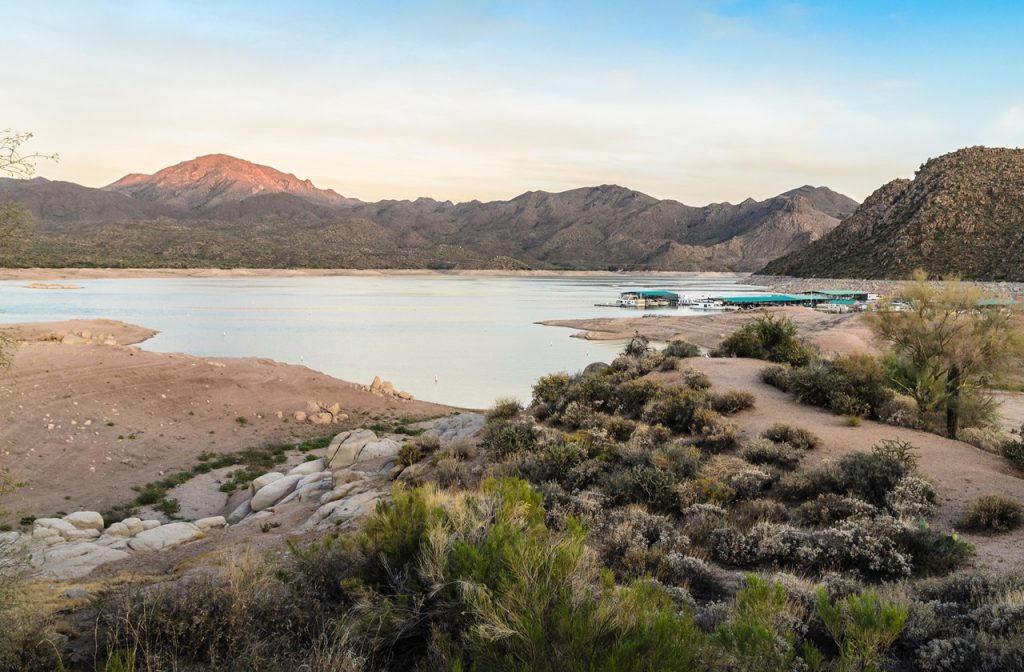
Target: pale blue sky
<point>697,101</point>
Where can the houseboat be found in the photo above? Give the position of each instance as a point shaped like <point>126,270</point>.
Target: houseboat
<point>647,298</point>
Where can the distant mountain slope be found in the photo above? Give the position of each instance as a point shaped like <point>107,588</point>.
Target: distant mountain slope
<point>211,180</point>
<point>963,214</point>
<point>217,210</point>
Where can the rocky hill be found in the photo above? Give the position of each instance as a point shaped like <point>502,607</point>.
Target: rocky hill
<point>221,211</point>
<point>963,214</point>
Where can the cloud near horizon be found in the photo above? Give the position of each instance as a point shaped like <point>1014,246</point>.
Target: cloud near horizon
<point>700,102</point>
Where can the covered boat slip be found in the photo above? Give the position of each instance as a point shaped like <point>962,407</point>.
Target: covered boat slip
<point>832,299</point>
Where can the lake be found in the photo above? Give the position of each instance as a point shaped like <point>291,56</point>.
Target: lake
<point>455,339</point>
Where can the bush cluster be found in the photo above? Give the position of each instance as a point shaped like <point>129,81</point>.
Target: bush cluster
<point>993,513</point>
<point>767,337</point>
<point>854,384</point>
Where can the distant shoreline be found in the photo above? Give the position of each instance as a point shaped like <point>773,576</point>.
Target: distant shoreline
<point>45,274</point>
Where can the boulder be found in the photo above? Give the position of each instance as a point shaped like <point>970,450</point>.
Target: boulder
<point>352,453</point>
<point>165,536</point>
<point>343,490</point>
<point>300,416</point>
<point>85,520</point>
<point>312,407</point>
<point>342,510</point>
<point>311,467</point>
<point>594,368</point>
<point>134,525</point>
<point>62,528</point>
<point>263,481</point>
<point>343,449</point>
<point>150,524</point>
<point>375,385</point>
<point>457,427</point>
<point>211,522</point>
<point>118,530</point>
<point>239,514</point>
<point>274,492</point>
<point>387,388</point>
<point>404,395</point>
<point>73,561</point>
<point>322,418</point>
<point>334,409</point>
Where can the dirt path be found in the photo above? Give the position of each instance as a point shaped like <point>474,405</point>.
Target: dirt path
<point>83,422</point>
<point>959,471</point>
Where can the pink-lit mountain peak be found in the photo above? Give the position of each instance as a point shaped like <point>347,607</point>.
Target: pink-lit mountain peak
<point>213,179</point>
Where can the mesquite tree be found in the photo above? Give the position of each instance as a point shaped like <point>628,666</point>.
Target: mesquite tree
<point>951,338</point>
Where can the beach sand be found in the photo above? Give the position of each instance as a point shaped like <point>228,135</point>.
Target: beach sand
<point>82,422</point>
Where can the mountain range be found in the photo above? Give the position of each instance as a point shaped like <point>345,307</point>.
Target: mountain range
<point>962,214</point>
<point>221,211</point>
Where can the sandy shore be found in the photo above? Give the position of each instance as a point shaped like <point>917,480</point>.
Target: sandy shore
<point>831,333</point>
<point>83,420</point>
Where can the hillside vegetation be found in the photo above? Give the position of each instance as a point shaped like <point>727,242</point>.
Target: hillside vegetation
<point>217,211</point>
<point>962,214</point>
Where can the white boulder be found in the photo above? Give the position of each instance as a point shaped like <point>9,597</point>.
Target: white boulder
<point>85,520</point>
<point>261,482</point>
<point>165,536</point>
<point>211,522</point>
<point>274,492</point>
<point>310,467</point>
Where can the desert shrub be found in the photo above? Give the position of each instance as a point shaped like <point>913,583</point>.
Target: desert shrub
<point>732,401</point>
<point>744,514</point>
<point>913,497</point>
<point>427,443</point>
<point>504,408</point>
<point>932,551</point>
<point>646,485</point>
<point>993,513</point>
<point>796,437</point>
<point>550,394</point>
<point>681,349</point>
<point>409,454</point>
<point>854,384</point>
<point>852,421</point>
<point>638,346</point>
<point>577,415</point>
<point>681,460</point>
<point>776,375</point>
<point>869,476</point>
<point>767,337</point>
<point>900,410</point>
<point>27,635</point>
<point>831,508</point>
<point>674,408</point>
<point>1014,450</point>
<point>989,439</point>
<point>781,455</point>
<point>748,483</point>
<point>646,438</point>
<point>869,547</point>
<point>695,380</point>
<point>619,429</point>
<point>635,544</point>
<point>632,395</point>
<point>506,437</point>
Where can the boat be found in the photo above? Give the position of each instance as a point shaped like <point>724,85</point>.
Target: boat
<point>712,304</point>
<point>645,298</point>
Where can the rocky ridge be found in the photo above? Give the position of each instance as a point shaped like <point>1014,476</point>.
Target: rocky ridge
<point>962,214</point>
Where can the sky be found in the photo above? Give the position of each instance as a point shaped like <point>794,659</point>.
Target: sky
<point>695,101</point>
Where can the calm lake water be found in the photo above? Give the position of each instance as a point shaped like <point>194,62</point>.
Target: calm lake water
<point>461,340</point>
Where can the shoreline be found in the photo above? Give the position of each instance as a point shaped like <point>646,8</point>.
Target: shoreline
<point>45,274</point>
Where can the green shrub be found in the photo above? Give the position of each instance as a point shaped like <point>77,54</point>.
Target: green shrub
<point>993,513</point>
<point>934,552</point>
<point>674,408</point>
<point>632,395</point>
<point>797,437</point>
<point>854,384</point>
<point>767,337</point>
<point>732,401</point>
<point>681,349</point>
<point>863,628</point>
<point>504,408</point>
<point>759,634</point>
<point>681,460</point>
<point>410,454</point>
<point>638,346</point>
<point>830,508</point>
<point>506,437</point>
<point>712,432</point>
